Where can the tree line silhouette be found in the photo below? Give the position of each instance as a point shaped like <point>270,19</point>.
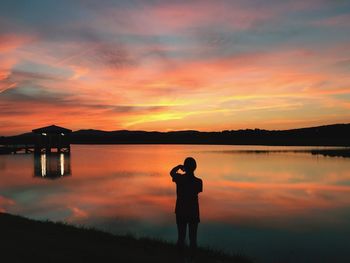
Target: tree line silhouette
<point>328,135</point>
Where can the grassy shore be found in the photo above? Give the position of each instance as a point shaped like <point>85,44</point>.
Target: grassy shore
<point>25,240</point>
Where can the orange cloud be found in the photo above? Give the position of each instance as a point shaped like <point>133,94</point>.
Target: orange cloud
<point>196,69</point>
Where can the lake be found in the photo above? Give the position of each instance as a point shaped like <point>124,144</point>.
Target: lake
<point>278,206</point>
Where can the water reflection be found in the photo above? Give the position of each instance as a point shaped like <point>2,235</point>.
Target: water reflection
<point>52,165</point>
<point>273,207</point>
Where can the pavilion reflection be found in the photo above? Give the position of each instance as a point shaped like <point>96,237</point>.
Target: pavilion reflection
<point>52,165</point>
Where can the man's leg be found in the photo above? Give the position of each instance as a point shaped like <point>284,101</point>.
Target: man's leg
<point>192,228</point>
<point>181,234</point>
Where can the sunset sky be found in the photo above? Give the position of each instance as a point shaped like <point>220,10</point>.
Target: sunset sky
<point>173,65</point>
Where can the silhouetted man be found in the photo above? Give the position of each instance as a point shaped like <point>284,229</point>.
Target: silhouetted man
<point>187,207</point>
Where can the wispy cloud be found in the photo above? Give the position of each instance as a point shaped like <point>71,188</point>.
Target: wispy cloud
<point>173,64</point>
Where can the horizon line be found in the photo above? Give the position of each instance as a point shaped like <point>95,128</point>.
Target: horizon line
<point>188,130</point>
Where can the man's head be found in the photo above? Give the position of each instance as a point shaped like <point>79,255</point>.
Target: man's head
<point>190,165</point>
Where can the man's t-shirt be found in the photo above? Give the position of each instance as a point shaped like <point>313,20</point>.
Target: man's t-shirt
<point>187,189</point>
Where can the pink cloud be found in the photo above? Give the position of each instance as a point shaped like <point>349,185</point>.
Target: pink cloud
<point>11,42</point>
<point>166,88</point>
<point>183,18</point>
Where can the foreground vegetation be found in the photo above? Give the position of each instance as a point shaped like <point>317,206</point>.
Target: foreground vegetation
<point>36,241</point>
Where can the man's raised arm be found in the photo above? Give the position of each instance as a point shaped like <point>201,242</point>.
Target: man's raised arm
<point>174,172</point>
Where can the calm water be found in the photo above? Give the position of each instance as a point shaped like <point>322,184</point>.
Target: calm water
<point>276,207</point>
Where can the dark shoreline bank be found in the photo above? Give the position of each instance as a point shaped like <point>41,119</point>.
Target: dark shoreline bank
<point>39,241</point>
<point>335,152</point>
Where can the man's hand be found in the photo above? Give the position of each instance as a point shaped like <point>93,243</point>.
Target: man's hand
<point>173,172</point>
<point>181,167</point>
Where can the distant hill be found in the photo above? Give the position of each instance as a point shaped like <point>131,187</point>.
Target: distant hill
<point>328,135</point>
